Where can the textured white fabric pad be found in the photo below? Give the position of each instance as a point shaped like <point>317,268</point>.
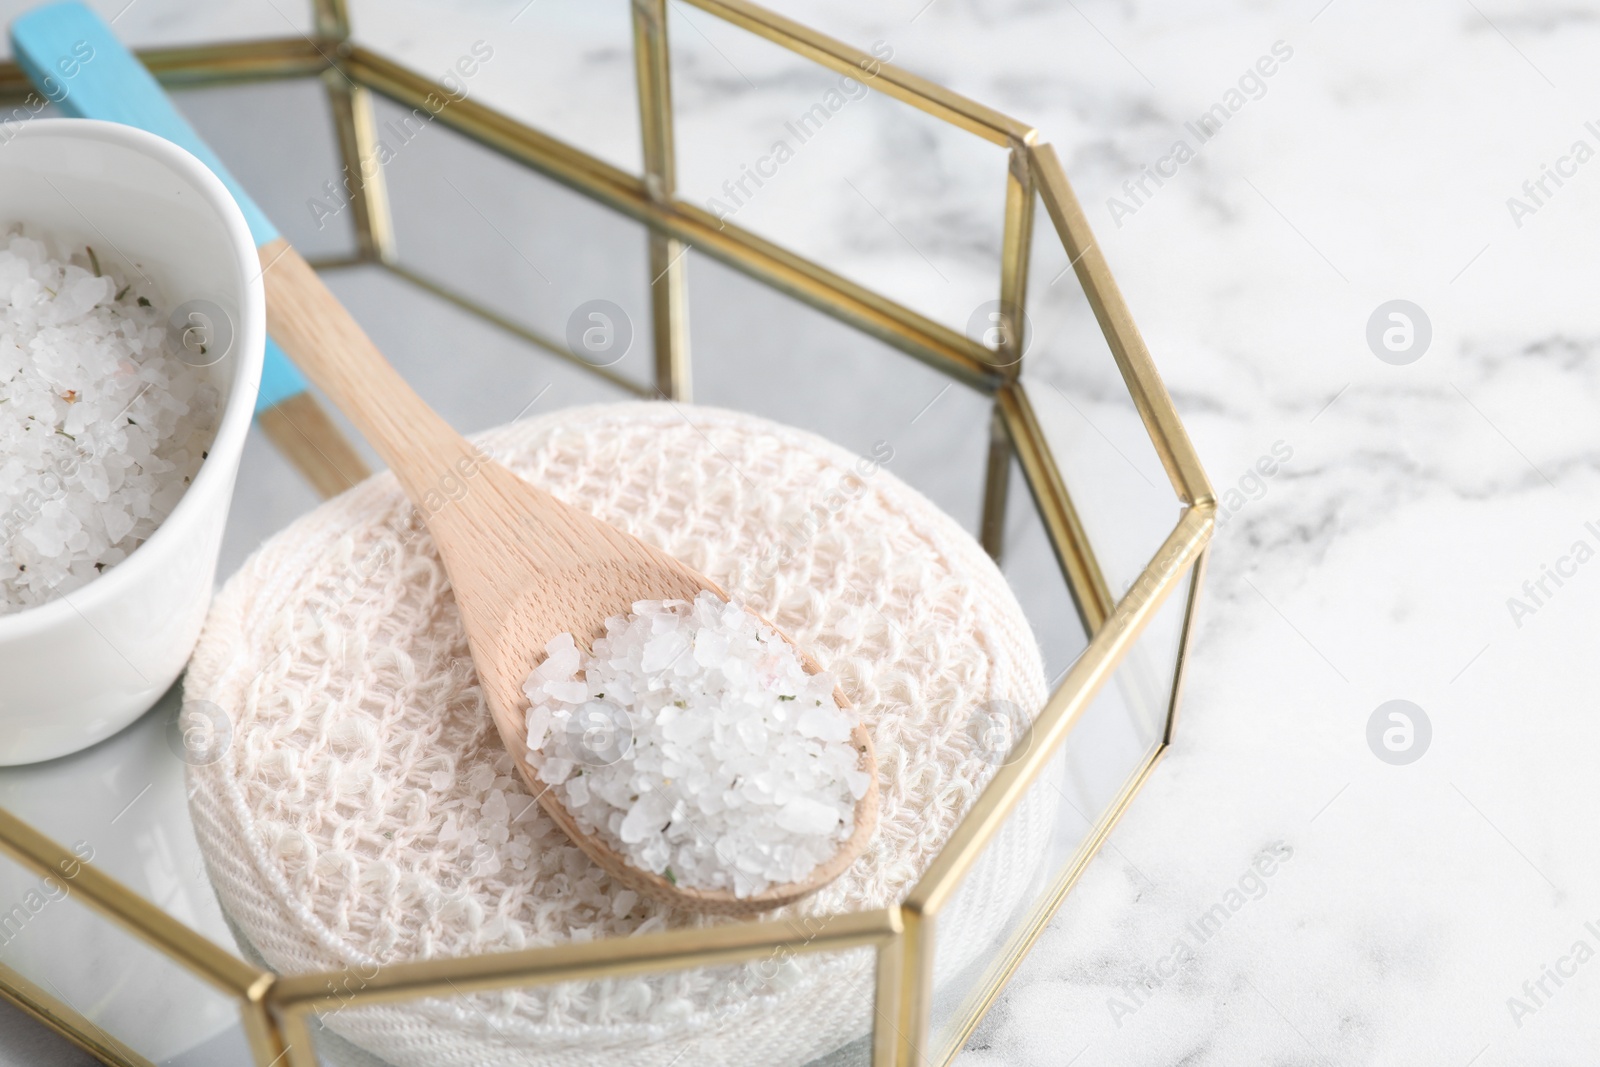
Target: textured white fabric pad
<point>365,811</point>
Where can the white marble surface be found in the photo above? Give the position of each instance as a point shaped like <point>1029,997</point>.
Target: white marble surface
<point>1375,564</point>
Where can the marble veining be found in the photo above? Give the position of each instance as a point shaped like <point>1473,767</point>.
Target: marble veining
<point>1414,912</point>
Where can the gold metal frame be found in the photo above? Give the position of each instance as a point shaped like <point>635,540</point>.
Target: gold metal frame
<point>275,1008</point>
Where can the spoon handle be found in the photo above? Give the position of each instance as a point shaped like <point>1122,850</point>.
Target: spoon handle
<point>425,453</point>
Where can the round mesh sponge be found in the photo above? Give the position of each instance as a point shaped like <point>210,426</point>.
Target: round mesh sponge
<point>366,811</point>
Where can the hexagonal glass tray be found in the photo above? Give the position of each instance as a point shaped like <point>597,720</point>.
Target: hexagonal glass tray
<point>485,263</point>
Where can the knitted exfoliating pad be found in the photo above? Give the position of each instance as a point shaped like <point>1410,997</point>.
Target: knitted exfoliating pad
<point>366,812</point>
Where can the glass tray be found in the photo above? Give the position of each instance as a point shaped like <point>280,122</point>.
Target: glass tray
<point>835,301</point>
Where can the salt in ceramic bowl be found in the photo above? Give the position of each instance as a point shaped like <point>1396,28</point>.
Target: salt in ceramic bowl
<point>81,667</point>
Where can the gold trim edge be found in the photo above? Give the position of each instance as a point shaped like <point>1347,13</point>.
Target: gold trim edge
<point>65,1020</point>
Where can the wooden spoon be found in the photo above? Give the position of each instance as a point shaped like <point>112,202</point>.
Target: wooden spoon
<point>524,566</point>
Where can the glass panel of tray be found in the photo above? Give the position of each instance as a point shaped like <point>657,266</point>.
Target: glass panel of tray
<point>1016,881</point>
<point>1111,469</point>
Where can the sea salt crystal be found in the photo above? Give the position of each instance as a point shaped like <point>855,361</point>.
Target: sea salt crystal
<point>694,742</point>
<point>101,427</point>
<point>805,816</point>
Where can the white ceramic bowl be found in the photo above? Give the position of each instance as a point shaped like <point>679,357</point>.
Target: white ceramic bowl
<point>80,668</point>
